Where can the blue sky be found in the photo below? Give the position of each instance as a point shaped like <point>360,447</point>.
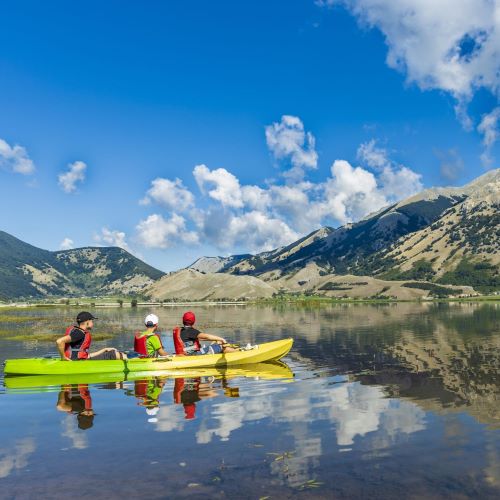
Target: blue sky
<point>275,117</point>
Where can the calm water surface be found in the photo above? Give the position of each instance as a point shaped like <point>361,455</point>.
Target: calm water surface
<point>383,401</point>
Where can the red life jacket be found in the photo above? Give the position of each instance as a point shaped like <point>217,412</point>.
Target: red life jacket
<point>180,347</point>
<point>140,343</point>
<point>179,387</point>
<point>83,350</point>
<point>141,388</point>
<point>83,392</point>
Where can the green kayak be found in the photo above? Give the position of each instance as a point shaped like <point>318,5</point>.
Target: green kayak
<point>42,366</point>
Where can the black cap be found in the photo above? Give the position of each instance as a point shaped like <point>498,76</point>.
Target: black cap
<point>85,421</point>
<point>84,316</point>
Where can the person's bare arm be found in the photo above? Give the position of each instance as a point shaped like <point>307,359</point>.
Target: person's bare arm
<point>213,338</point>
<point>61,344</point>
<point>106,349</point>
<point>162,352</point>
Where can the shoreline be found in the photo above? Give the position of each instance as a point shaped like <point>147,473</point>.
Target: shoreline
<point>275,301</point>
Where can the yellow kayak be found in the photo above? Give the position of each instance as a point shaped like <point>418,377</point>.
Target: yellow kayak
<point>268,351</point>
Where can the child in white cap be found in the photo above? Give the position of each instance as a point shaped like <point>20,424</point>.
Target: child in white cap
<point>148,342</point>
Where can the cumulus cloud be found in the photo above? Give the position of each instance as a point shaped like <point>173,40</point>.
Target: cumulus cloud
<point>15,159</point>
<point>232,216</point>
<point>112,238</point>
<point>372,155</point>
<point>170,194</point>
<point>220,185</point>
<point>488,127</point>
<point>75,173</point>
<point>351,193</point>
<point>157,232</point>
<point>450,45</point>
<point>399,183</point>
<point>254,230</point>
<point>396,181</point>
<point>67,244</point>
<point>288,139</point>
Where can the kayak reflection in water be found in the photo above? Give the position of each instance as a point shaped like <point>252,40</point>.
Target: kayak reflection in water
<point>187,339</point>
<point>188,391</point>
<point>76,399</point>
<point>148,392</point>
<point>75,344</point>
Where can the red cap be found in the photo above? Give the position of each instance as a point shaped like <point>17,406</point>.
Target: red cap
<point>189,318</point>
<point>189,411</point>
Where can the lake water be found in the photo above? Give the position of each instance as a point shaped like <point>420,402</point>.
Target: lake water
<point>374,401</point>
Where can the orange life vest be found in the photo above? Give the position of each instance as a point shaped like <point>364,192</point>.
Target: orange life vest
<point>83,350</point>
<point>180,347</point>
<point>140,343</point>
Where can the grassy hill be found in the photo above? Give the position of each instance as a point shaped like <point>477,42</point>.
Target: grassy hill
<point>30,272</point>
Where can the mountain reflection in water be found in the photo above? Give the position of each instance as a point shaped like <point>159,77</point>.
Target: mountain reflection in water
<point>372,401</point>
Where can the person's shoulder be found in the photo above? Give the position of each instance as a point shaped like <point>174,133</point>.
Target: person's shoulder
<point>76,332</point>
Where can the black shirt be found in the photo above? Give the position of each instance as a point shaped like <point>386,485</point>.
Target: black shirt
<point>77,338</point>
<point>189,334</point>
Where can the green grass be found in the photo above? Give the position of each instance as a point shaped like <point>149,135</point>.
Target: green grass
<point>12,318</point>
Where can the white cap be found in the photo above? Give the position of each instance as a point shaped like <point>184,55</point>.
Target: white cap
<point>152,411</point>
<point>151,320</point>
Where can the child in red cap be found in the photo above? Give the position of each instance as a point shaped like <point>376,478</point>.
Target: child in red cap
<point>189,335</point>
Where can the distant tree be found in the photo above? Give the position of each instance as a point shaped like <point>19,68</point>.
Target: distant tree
<point>120,302</point>
<point>133,303</point>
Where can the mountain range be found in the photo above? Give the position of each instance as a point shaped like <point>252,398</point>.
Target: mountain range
<point>442,241</point>
<point>438,238</point>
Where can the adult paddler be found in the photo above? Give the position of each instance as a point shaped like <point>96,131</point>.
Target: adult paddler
<point>75,344</point>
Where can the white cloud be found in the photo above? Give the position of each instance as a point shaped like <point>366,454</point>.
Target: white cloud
<point>15,159</point>
<point>67,244</point>
<point>254,230</point>
<point>351,193</point>
<point>372,155</point>
<point>296,205</point>
<point>288,139</point>
<point>254,218</point>
<point>399,183</point>
<point>158,232</point>
<point>489,128</point>
<point>396,181</point>
<point>75,174</point>
<point>112,238</point>
<point>450,45</point>
<point>170,194</point>
<point>225,186</point>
